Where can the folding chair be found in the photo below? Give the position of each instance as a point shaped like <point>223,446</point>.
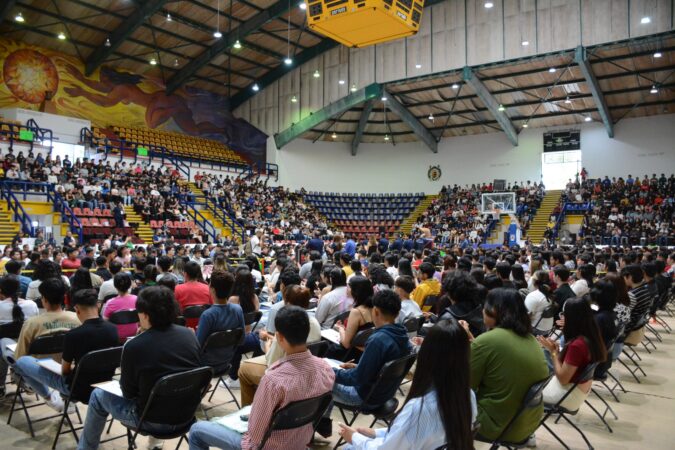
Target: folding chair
<point>298,414</point>
<point>94,367</point>
<point>252,319</point>
<point>632,340</point>
<point>194,311</point>
<point>42,345</point>
<point>548,313</point>
<point>221,341</point>
<point>340,318</point>
<point>533,399</point>
<point>124,317</point>
<point>429,303</point>
<point>11,330</point>
<point>563,412</point>
<point>359,340</point>
<point>185,389</point>
<point>318,349</point>
<point>413,325</point>
<point>393,371</point>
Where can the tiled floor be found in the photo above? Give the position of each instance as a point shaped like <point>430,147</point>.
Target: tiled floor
<point>646,414</point>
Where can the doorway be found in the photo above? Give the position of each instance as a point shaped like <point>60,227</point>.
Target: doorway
<point>559,167</point>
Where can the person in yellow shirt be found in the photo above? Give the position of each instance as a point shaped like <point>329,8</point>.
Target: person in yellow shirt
<point>428,285</point>
<point>345,260</point>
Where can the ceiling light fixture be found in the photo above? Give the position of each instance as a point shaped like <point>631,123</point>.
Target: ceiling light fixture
<point>386,137</point>
<point>168,17</point>
<point>525,43</point>
<point>501,108</point>
<point>334,135</point>
<point>552,70</point>
<point>567,100</point>
<point>418,66</point>
<point>61,35</point>
<point>288,61</point>
<point>588,119</point>
<point>294,99</point>
<point>455,86</point>
<point>237,44</point>
<point>317,74</point>
<point>302,6</point>
<point>19,18</point>
<point>353,88</point>
<point>107,42</point>
<point>488,5</point>
<point>255,87</point>
<point>217,33</point>
<point>657,55</point>
<point>153,62</point>
<point>654,90</point>
<point>645,20</point>
<point>384,98</point>
<point>524,125</point>
<point>431,117</point>
<point>341,82</point>
<point>175,62</point>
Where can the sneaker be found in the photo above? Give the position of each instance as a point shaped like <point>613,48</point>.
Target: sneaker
<point>232,384</point>
<point>155,444</point>
<point>531,442</point>
<point>55,402</point>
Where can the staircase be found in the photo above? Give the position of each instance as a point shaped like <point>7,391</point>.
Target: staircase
<point>8,228</point>
<point>535,233</point>
<point>406,225</point>
<point>208,215</point>
<point>143,231</point>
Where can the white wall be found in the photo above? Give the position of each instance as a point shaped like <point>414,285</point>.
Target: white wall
<point>643,145</point>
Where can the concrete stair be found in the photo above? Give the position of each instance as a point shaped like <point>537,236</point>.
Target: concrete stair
<point>223,229</point>
<point>8,228</point>
<point>535,232</point>
<point>143,231</point>
<point>408,222</point>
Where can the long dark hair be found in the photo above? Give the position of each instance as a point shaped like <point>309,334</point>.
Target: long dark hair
<point>587,272</point>
<point>579,322</point>
<point>9,287</point>
<point>404,268</point>
<point>507,308</point>
<point>244,289</point>
<point>542,282</point>
<point>362,291</point>
<point>621,288</point>
<point>449,377</point>
<point>81,280</point>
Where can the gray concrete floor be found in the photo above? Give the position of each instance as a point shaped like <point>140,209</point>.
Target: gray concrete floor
<point>646,414</point>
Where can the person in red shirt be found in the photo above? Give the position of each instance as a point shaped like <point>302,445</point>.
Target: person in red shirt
<point>193,292</point>
<point>71,262</point>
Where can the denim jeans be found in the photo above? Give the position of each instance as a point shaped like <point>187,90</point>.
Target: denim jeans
<point>102,403</point>
<point>251,344</point>
<point>346,395</point>
<point>7,359</point>
<point>208,434</point>
<point>39,378</point>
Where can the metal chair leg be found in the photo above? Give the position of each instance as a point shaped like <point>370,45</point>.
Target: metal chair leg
<point>597,413</point>
<point>567,419</point>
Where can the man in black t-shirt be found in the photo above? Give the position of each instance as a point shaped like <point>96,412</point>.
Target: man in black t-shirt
<point>93,334</point>
<point>163,349</point>
<point>561,275</point>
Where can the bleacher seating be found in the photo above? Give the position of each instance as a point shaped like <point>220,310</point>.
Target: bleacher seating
<point>6,130</point>
<point>363,214</point>
<point>98,224</point>
<point>182,145</point>
<point>178,230</point>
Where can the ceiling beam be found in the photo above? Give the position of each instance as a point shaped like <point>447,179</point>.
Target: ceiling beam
<point>581,58</point>
<point>250,26</point>
<point>363,121</point>
<point>121,33</point>
<point>5,8</point>
<point>420,130</point>
<point>492,104</point>
<point>345,103</point>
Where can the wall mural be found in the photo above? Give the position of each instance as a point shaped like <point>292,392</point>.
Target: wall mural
<point>112,97</point>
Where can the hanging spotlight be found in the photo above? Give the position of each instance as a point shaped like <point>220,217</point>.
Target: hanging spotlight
<point>217,34</point>
<point>168,17</point>
<point>317,74</point>
<point>418,66</point>
<point>334,135</point>
<point>654,90</point>
<point>657,55</point>
<point>353,88</point>
<point>341,82</point>
<point>19,18</point>
<point>455,86</point>
<point>552,70</point>
<point>175,62</point>
<point>302,6</point>
<point>431,117</point>
<point>255,87</point>
<point>645,20</point>
<point>288,61</point>
<point>237,44</point>
<point>107,42</point>
<point>384,98</point>
<point>488,5</point>
<point>61,36</point>
<point>567,100</point>
<point>386,137</point>
<point>153,62</point>
<point>501,108</point>
<point>525,43</point>
<point>587,119</point>
<point>524,125</point>
<point>294,99</point>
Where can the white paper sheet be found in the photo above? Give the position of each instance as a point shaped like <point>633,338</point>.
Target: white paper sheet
<point>331,335</point>
<point>233,421</point>
<point>112,386</point>
<point>50,365</point>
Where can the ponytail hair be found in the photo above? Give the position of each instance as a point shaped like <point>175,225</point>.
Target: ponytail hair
<point>542,282</point>
<point>9,287</point>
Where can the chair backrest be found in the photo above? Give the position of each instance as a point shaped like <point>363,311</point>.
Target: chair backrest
<point>532,399</point>
<point>548,313</point>
<point>109,297</point>
<point>586,375</point>
<point>252,318</point>
<point>635,336</point>
<point>11,330</point>
<point>413,324</point>
<point>298,414</point>
<point>95,367</point>
<point>361,337</point>
<point>47,344</point>
<point>318,349</point>
<point>194,311</point>
<point>183,388</point>
<point>224,339</point>
<point>124,317</point>
<point>341,317</point>
<point>430,301</point>
<point>393,370</point>
<point>180,320</point>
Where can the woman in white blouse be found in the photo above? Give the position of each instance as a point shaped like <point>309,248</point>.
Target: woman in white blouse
<point>13,308</point>
<point>584,283</point>
<point>440,408</point>
<point>45,269</point>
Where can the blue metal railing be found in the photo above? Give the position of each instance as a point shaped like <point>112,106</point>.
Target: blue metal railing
<point>202,221</point>
<point>209,204</point>
<point>14,205</point>
<point>11,132</point>
<point>559,220</point>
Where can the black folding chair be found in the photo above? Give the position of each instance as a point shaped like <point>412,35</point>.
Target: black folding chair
<point>430,301</point>
<point>413,324</point>
<point>222,341</point>
<point>185,389</point>
<point>194,311</point>
<point>563,412</point>
<point>252,319</point>
<point>341,317</point>
<point>359,340</point>
<point>548,313</point>
<point>11,330</point>
<point>48,344</point>
<point>94,367</point>
<point>630,342</point>
<point>180,321</point>
<point>533,399</point>
<point>318,349</point>
<point>298,414</point>
<point>393,371</point>
<point>124,317</point>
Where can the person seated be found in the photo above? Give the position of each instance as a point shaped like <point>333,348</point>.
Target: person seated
<point>335,302</point>
<point>297,376</point>
<point>583,346</point>
<point>53,320</point>
<point>221,316</point>
<point>440,407</point>
<point>360,316</point>
<point>13,268</point>
<point>538,301</point>
<point>93,334</point>
<point>464,303</point>
<point>404,286</point>
<point>12,307</point>
<point>388,342</point>
<point>505,361</point>
<point>252,370</point>
<point>193,292</point>
<point>123,301</point>
<point>428,285</point>
<point>163,349</point>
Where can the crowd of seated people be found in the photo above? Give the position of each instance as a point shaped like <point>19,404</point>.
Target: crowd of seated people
<point>630,211</point>
<point>484,304</point>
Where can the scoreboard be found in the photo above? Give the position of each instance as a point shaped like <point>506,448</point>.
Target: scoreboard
<point>559,141</point>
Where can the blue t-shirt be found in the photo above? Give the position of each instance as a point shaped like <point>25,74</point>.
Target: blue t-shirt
<point>219,318</point>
